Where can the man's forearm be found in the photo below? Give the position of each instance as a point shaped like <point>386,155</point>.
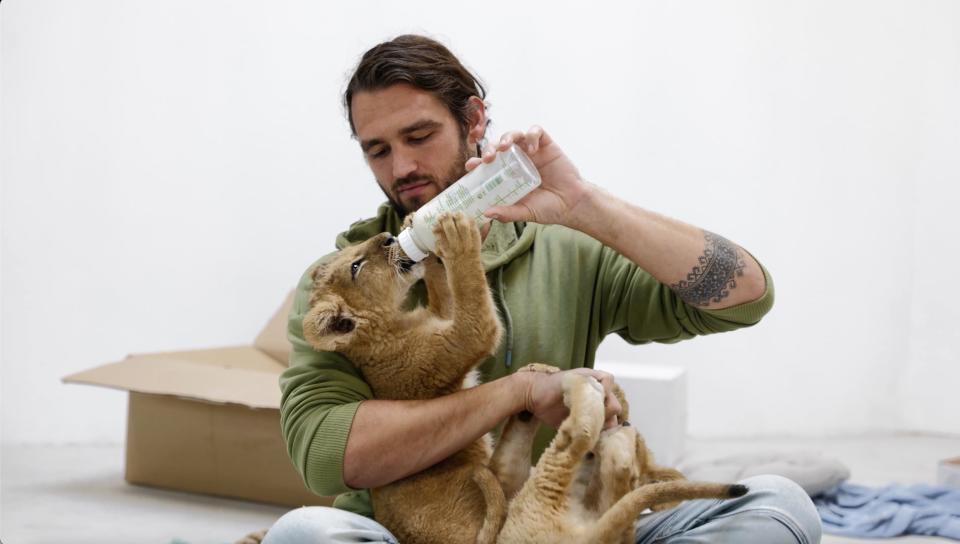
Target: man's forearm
<point>703,268</point>
<point>393,439</point>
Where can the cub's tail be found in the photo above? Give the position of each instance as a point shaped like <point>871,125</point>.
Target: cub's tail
<point>619,519</point>
<point>496,505</point>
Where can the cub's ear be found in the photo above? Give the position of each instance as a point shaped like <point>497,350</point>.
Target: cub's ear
<point>318,272</point>
<point>641,454</point>
<point>624,405</point>
<point>328,324</point>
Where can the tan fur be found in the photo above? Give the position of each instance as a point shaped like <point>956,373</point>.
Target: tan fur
<point>589,486</point>
<point>418,354</point>
<point>253,538</point>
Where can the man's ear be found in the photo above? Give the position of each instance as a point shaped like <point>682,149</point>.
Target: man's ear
<point>328,324</point>
<point>477,120</point>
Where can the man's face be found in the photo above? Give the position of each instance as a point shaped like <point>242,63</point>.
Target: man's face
<point>411,141</point>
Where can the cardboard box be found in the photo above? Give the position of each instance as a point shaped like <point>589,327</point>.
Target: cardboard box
<point>948,472</point>
<point>658,405</point>
<point>208,421</point>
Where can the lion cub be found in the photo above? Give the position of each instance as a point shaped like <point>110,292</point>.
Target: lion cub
<point>590,485</point>
<point>357,309</point>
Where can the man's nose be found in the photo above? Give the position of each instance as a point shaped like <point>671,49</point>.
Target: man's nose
<point>404,164</point>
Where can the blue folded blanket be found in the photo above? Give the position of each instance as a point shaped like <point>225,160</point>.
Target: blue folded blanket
<point>856,510</point>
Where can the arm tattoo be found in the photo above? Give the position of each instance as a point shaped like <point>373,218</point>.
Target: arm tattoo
<point>715,275</point>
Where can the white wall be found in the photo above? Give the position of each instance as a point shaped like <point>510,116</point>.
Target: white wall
<point>170,168</point>
<point>930,382</point>
<point>2,244</point>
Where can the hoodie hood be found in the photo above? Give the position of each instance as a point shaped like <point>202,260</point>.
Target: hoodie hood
<point>504,242</point>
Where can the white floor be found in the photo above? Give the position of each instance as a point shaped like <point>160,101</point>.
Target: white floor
<point>76,494</point>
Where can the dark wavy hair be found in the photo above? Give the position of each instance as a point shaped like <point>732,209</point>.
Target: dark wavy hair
<point>423,63</point>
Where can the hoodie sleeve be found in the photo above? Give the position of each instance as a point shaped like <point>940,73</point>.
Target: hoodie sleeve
<point>641,309</point>
<point>321,392</point>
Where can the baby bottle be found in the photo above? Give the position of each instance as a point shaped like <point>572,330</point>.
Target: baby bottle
<point>502,182</point>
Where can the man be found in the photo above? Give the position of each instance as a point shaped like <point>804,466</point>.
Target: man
<point>568,264</point>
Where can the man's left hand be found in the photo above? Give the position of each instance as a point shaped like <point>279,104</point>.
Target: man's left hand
<point>561,188</point>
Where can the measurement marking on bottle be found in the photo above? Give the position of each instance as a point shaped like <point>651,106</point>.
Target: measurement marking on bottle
<point>461,198</point>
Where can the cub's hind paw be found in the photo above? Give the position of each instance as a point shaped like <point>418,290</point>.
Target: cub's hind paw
<point>583,396</point>
<point>582,387</point>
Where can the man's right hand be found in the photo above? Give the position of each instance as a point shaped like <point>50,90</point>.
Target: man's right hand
<point>392,439</point>
<point>544,396</point>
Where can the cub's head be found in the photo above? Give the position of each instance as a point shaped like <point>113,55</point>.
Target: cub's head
<point>357,290</point>
<point>620,463</point>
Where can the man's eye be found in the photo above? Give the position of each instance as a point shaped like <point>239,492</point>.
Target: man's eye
<point>377,153</point>
<point>420,139</point>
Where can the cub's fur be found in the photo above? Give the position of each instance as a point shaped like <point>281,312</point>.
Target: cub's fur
<point>589,485</point>
<point>357,310</point>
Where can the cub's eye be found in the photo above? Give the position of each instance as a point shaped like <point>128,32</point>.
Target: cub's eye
<point>355,268</point>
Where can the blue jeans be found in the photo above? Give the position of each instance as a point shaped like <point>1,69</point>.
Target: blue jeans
<point>775,511</point>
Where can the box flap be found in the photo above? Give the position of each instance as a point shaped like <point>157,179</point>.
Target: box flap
<point>240,375</point>
<point>246,357</point>
<point>272,340</point>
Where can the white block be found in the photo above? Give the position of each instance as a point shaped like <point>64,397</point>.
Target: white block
<point>948,472</point>
<point>658,405</point>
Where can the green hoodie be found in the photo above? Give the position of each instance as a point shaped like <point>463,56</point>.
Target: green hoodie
<point>559,293</point>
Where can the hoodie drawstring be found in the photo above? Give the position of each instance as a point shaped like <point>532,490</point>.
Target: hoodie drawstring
<point>508,320</point>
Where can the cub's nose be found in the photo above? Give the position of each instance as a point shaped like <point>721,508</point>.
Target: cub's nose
<point>389,240</point>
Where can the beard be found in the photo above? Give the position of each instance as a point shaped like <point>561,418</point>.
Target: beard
<point>454,172</point>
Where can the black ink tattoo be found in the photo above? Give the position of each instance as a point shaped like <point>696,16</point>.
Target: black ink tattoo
<point>715,275</point>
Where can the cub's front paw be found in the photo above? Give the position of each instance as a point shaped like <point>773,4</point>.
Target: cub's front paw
<point>457,236</point>
<point>435,275</point>
<point>433,267</point>
<point>539,367</point>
